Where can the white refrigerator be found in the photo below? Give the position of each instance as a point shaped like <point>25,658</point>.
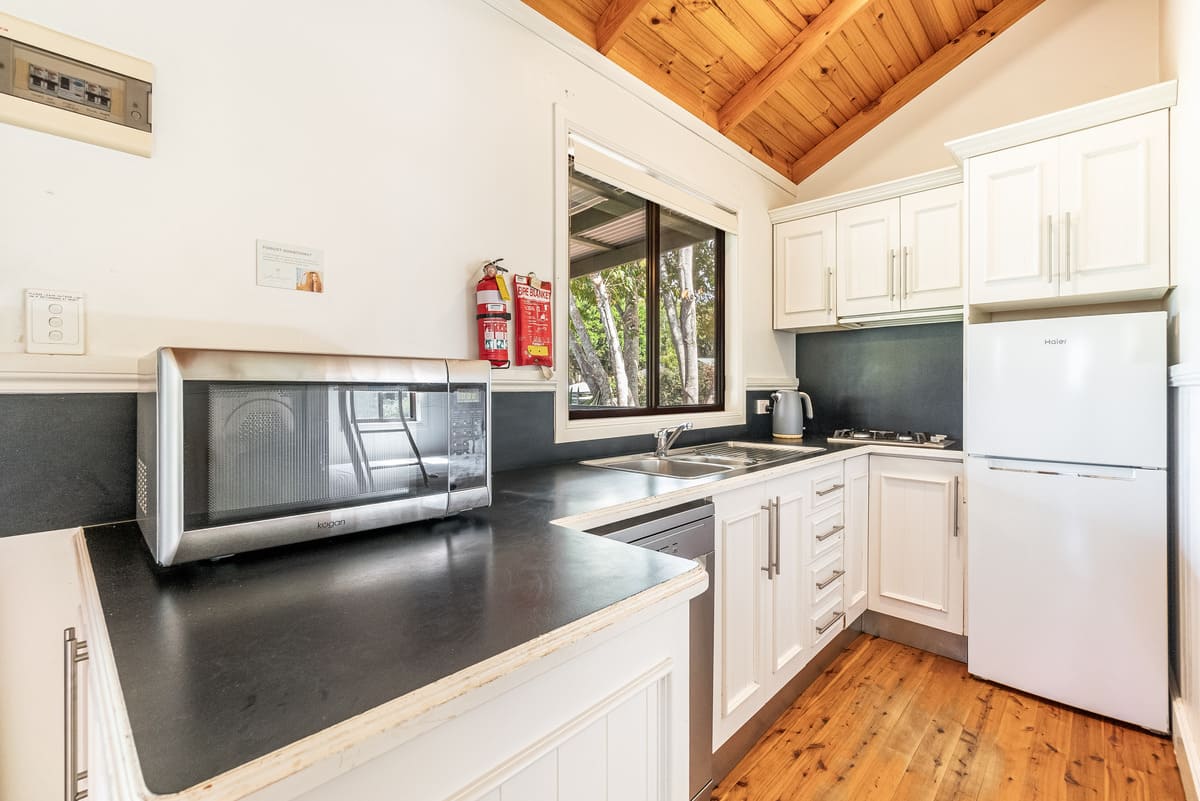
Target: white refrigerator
<point>1066,440</point>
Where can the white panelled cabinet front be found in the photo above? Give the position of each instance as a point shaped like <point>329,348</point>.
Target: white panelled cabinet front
<point>1080,216</point>
<point>931,253</point>
<point>739,611</point>
<point>858,490</point>
<point>39,602</point>
<point>761,614</point>
<point>804,263</point>
<point>1013,202</point>
<point>1113,199</point>
<point>917,541</point>
<point>778,587</point>
<point>868,246</point>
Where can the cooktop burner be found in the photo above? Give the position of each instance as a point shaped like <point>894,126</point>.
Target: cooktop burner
<point>913,439</point>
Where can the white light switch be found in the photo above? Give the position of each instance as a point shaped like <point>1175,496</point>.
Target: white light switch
<point>53,321</point>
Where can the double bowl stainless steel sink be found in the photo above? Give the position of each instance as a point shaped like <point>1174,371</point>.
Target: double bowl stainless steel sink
<point>706,460</point>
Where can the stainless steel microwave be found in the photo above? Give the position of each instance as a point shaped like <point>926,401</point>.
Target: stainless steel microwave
<point>239,450</point>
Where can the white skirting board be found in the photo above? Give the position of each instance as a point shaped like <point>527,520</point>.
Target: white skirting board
<point>1185,518</point>
<point>1185,750</point>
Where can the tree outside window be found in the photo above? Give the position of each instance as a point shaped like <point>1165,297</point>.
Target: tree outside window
<point>642,340</point>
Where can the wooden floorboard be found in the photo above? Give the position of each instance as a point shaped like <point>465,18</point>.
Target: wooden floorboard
<point>887,722</point>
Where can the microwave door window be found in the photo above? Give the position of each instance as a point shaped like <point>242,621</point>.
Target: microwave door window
<point>388,442</point>
<point>263,449</point>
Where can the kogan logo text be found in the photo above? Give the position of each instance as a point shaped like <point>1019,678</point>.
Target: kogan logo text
<point>331,524</point>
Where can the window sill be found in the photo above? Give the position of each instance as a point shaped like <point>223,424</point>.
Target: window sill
<point>585,430</point>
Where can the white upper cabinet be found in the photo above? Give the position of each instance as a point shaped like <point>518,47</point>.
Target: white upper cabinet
<point>1081,217</point>
<point>876,255</point>
<point>804,262</point>
<point>1013,201</point>
<point>1114,198</point>
<point>931,252</point>
<point>868,244</point>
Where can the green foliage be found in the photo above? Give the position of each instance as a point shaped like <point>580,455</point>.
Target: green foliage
<point>626,284</point>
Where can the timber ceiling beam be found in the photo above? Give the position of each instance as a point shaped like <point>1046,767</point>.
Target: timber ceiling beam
<point>955,52</point>
<point>614,21</point>
<point>787,62</point>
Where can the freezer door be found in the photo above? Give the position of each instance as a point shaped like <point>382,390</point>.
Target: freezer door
<point>1067,587</point>
<point>1090,390</point>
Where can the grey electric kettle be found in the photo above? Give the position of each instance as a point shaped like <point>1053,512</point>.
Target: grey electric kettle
<point>787,415</point>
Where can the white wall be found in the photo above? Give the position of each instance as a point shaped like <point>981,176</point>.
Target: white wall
<point>409,140</point>
<point>1064,53</point>
<point>1180,20</point>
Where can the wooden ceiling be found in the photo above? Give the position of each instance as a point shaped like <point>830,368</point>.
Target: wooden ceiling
<point>794,82</point>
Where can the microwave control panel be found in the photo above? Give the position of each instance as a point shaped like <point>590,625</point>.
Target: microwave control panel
<point>61,85</point>
<point>468,435</point>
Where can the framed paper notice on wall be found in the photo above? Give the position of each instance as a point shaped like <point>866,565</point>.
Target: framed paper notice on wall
<point>284,266</point>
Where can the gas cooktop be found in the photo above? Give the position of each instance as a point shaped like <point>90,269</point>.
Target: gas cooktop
<point>911,439</point>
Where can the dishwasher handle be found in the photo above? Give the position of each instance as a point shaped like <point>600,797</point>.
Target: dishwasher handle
<point>689,541</point>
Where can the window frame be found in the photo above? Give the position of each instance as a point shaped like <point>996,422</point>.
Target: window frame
<point>381,420</point>
<point>660,177</point>
<point>653,406</point>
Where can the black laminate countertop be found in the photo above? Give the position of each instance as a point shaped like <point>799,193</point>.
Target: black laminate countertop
<point>221,662</point>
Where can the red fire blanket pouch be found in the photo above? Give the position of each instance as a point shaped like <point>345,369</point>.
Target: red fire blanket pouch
<point>535,337</point>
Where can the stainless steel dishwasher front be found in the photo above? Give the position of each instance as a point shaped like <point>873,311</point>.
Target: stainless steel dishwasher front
<point>687,531</point>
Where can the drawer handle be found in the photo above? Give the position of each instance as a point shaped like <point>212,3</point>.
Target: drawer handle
<point>834,488</point>
<point>830,624</point>
<point>837,574</point>
<point>830,533</point>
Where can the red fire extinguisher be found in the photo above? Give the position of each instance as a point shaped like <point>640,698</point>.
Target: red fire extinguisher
<point>492,315</point>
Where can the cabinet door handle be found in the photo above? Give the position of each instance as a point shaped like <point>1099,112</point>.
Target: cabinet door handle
<point>778,540</point>
<point>892,273</point>
<point>1067,247</point>
<point>906,270</point>
<point>956,502</point>
<point>834,488</point>
<point>829,290</point>
<point>770,568</point>
<point>837,574</point>
<point>830,533</point>
<point>74,652</point>
<point>830,624</point>
<point>1050,248</point>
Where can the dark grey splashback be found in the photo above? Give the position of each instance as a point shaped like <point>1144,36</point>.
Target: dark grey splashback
<point>902,378</point>
<point>68,460</point>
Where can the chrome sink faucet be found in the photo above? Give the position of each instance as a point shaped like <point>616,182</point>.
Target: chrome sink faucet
<point>664,438</point>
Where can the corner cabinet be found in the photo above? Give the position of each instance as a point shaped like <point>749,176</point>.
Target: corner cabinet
<point>897,257</point>
<point>917,541</point>
<point>1078,218</point>
<point>804,260</point>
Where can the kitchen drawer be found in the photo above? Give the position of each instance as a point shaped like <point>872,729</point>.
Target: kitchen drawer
<point>825,530</point>
<point>826,485</point>
<point>827,622</point>
<point>825,579</point>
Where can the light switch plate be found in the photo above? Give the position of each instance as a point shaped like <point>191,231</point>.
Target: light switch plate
<point>54,321</point>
